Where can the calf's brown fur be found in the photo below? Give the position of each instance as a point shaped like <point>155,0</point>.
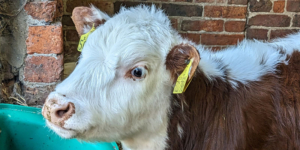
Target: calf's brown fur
<point>261,115</point>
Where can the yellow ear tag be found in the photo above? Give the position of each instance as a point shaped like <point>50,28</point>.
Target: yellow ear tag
<point>181,83</point>
<point>83,39</point>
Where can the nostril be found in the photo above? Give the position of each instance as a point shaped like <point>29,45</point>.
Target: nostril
<point>65,111</point>
<point>61,113</point>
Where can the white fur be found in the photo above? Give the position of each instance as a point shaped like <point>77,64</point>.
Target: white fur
<point>242,63</point>
<point>179,130</point>
<point>109,106</point>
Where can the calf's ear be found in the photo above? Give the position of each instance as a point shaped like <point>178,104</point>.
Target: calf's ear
<point>85,17</point>
<point>178,59</point>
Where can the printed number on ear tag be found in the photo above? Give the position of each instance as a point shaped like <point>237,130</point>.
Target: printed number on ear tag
<point>83,39</point>
<point>181,83</point>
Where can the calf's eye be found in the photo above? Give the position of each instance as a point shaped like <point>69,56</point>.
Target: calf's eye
<point>137,72</point>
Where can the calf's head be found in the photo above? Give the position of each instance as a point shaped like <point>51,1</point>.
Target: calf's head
<point>122,84</point>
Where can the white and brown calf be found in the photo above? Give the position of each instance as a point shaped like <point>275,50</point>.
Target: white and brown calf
<point>244,97</point>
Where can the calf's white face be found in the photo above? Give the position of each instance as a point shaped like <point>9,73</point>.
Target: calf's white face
<point>121,86</point>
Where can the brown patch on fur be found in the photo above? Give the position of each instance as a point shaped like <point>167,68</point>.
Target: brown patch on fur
<point>78,15</point>
<point>177,59</point>
<point>261,115</point>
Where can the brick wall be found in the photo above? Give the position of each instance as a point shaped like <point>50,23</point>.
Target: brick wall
<point>268,19</point>
<point>44,60</point>
<point>214,23</point>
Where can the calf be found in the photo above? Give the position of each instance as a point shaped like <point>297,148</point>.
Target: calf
<point>244,97</point>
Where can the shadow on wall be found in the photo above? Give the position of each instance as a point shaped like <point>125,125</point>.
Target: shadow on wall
<point>13,31</point>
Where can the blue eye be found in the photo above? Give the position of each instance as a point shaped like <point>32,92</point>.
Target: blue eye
<point>137,72</point>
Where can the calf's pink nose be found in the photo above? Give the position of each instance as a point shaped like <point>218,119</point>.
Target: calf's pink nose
<point>58,113</point>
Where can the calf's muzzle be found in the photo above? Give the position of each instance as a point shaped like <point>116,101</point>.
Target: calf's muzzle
<point>57,113</point>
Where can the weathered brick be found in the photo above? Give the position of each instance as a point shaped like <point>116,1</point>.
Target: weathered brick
<point>118,5</point>
<point>45,39</point>
<point>235,26</point>
<point>174,23</point>
<point>293,5</point>
<point>221,39</point>
<point>279,6</point>
<point>205,1</point>
<point>182,10</point>
<point>225,11</point>
<point>71,54</point>
<point>260,6</point>
<point>59,8</point>
<point>37,95</point>
<point>192,36</point>
<point>67,21</point>
<point>205,25</point>
<point>241,2</point>
<point>107,7</point>
<point>72,35</point>
<point>41,10</point>
<point>296,21</point>
<point>281,33</point>
<point>43,68</point>
<point>260,34</point>
<point>270,20</point>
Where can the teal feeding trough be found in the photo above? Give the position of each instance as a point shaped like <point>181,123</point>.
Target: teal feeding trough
<point>23,128</point>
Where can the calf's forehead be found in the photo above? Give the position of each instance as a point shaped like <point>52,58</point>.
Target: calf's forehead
<point>124,42</point>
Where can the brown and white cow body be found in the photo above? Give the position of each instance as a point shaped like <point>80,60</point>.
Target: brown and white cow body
<point>244,97</point>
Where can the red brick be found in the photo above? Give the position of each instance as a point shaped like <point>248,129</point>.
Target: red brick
<point>192,36</point>
<point>260,5</point>
<point>43,69</point>
<point>182,10</point>
<point>240,2</point>
<point>260,34</point>
<point>293,5</point>
<point>225,11</point>
<point>205,25</point>
<point>72,35</point>
<point>221,39</point>
<point>71,54</point>
<point>270,20</point>
<point>235,26</point>
<point>279,6</point>
<point>174,23</point>
<point>41,10</point>
<point>281,33</point>
<point>107,7</point>
<point>296,21</point>
<point>44,39</point>
<point>205,1</point>
<point>37,95</point>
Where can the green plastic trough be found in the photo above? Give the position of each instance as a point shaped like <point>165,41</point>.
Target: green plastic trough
<point>23,128</point>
